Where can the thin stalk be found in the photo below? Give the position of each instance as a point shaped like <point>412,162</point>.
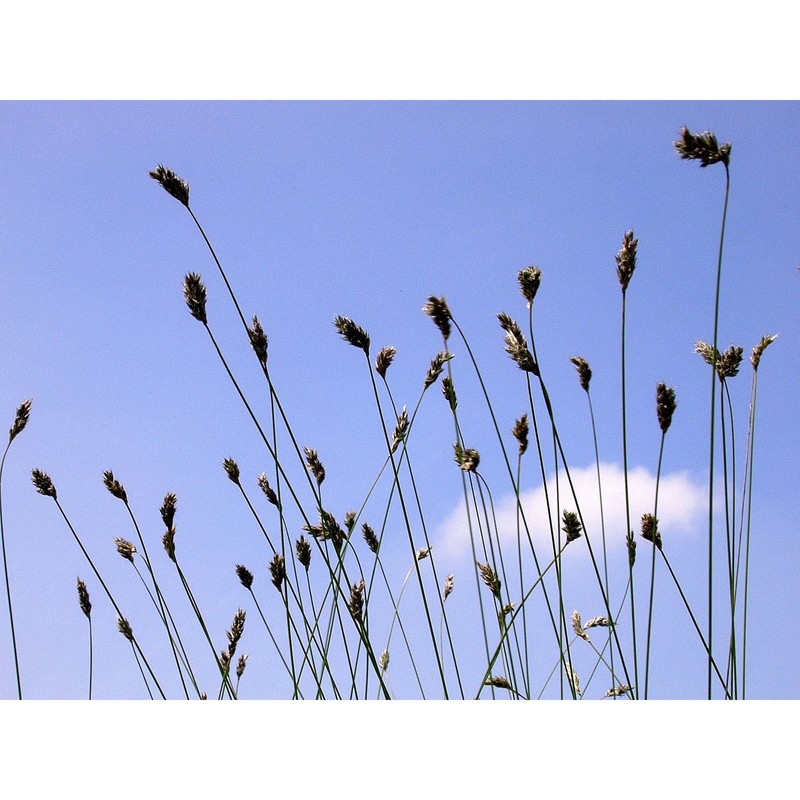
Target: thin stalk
<point>627,500</point>
<point>696,626</point>
<point>5,573</point>
<point>712,428</point>
<point>653,568</point>
<point>602,520</point>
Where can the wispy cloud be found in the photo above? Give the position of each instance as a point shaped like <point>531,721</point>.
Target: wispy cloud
<point>682,503</point>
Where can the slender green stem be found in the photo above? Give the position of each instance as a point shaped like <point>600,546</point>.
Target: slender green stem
<point>696,626</point>
<point>712,428</point>
<point>5,573</point>
<point>653,569</point>
<point>628,501</point>
<point>91,657</point>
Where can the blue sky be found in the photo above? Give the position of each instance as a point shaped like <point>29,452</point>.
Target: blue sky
<point>365,209</point>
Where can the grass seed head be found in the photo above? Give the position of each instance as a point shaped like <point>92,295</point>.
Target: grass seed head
<point>490,578</point>
<point>436,368</point>
<point>269,492</point>
<point>43,483</point>
<point>630,541</point>
<point>577,627</point>
<point>573,678</point>
<point>448,587</point>
<point>232,470</point>
<point>516,345</point>
<point>168,509</point>
<point>618,691</point>
<point>384,360</point>
<point>650,530</point>
<point>240,665</point>
<point>422,553</point>
<point>356,602</point>
<point>258,341</point>
<point>124,627</point>
<point>350,521</point>
<point>584,371</point>
<point>529,280</point>
<point>702,147</point>
<point>245,576</point>
<point>400,430</point>
<point>277,568</point>
<point>449,392</point>
<point>83,599</point>
<point>758,350</point>
<point>236,631</point>
<point>314,465</point>
<point>168,540</point>
<point>436,308</point>
<point>302,548</point>
<point>499,682</point>
<point>369,537</point>
<point>520,431</point>
<point>351,333</point>
<point>125,548</point>
<point>466,458</point>
<point>626,260</point>
<point>20,420</point>
<point>572,526</point>
<point>665,405</point>
<point>194,293</point>
<point>596,622</point>
<point>383,661</point>
<point>171,183</point>
<point>114,486</point>
<point>729,362</point>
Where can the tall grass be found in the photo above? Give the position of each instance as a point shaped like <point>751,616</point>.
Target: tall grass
<point>343,621</point>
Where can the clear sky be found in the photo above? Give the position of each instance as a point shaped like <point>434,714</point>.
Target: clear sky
<point>364,209</point>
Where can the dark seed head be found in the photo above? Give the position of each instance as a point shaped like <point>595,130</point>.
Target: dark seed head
<point>124,628</point>
<point>176,186</point>
<point>20,420</point>
<point>244,575</point>
<point>436,308</point>
<point>168,509</point>
<point>369,537</point>
<point>114,486</point>
<point>83,599</point>
<point>702,147</point>
<point>626,260</point>
<point>572,526</point>
<point>43,483</point>
<point>665,405</point>
<point>520,431</point>
<point>125,548</point>
<point>529,280</point>
<point>277,568</point>
<point>384,360</point>
<point>232,470</point>
<point>650,530</point>
<point>194,292</point>
<point>258,341</point>
<point>352,333</point>
<point>303,549</point>
<point>584,371</point>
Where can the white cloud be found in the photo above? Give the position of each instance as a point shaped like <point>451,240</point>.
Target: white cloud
<point>682,504</point>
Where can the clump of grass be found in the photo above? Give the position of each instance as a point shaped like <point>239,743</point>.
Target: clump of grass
<point>336,603</point>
